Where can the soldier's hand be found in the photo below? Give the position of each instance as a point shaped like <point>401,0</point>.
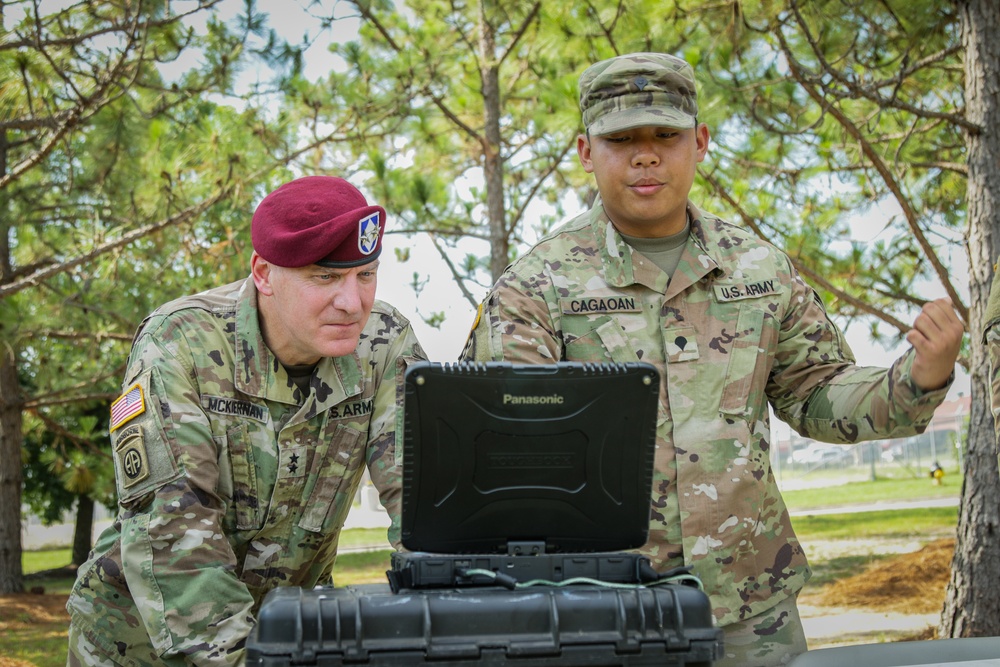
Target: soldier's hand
<point>936,337</point>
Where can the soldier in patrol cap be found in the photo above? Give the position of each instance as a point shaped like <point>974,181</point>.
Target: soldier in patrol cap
<point>645,275</point>
<point>247,417</point>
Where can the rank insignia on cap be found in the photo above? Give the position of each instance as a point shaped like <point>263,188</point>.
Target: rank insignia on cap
<point>368,234</point>
<point>128,406</point>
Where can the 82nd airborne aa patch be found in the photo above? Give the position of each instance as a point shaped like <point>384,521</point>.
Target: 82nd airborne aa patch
<point>130,454</point>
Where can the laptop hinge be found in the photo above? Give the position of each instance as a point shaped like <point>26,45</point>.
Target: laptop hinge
<point>526,548</point>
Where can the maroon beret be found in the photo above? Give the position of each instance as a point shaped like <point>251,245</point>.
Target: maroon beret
<point>317,220</point>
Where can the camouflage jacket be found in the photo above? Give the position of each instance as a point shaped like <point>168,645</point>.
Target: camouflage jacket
<point>230,482</point>
<point>735,328</point>
<point>991,339</point>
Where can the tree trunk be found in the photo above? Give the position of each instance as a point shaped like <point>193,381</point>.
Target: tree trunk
<point>972,604</point>
<point>83,531</point>
<point>11,579</point>
<point>492,159</point>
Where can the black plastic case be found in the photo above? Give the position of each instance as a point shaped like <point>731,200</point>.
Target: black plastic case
<point>579,625</point>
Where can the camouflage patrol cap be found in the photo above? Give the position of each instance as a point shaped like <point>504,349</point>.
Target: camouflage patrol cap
<point>638,89</point>
<point>320,220</point>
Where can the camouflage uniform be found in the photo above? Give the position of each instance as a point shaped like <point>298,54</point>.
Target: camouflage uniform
<point>734,329</point>
<point>991,339</point>
<point>230,481</point>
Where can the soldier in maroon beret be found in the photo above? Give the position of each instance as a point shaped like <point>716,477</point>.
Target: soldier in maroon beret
<point>300,232</point>
<point>247,418</point>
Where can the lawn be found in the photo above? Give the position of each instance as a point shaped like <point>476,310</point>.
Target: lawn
<point>881,489</point>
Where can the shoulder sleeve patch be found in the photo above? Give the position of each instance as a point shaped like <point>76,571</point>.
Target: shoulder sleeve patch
<point>130,457</point>
<point>143,456</point>
<point>128,406</point>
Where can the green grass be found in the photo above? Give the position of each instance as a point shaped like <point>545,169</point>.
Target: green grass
<point>883,488</point>
<point>363,567</point>
<point>38,561</point>
<point>927,523</point>
<point>41,645</point>
<point>364,537</point>
<point>50,559</point>
<point>55,586</point>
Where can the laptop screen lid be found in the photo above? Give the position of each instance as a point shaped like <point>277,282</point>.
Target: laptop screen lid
<point>558,456</point>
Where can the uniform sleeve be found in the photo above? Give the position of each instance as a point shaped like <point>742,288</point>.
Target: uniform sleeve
<point>991,340</point>
<point>816,387</point>
<point>383,457</point>
<point>180,569</point>
<point>515,324</point>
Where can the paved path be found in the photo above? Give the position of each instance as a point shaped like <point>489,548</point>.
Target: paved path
<point>825,627</point>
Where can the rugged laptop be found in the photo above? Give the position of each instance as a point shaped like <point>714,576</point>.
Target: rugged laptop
<point>525,470</point>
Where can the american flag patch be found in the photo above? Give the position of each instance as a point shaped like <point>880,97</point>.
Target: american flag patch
<point>128,405</point>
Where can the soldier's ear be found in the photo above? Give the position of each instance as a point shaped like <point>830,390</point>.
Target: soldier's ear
<point>583,151</point>
<point>260,269</point>
<point>702,138</point>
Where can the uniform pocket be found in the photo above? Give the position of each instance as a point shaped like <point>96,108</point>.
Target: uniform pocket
<point>337,479</point>
<point>746,373</point>
<point>245,499</point>
<point>137,566</point>
<point>604,341</point>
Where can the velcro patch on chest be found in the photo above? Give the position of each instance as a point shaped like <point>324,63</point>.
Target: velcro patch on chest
<point>292,462</point>
<point>234,408</point>
<point>352,409</point>
<point>599,305</point>
<point>752,290</point>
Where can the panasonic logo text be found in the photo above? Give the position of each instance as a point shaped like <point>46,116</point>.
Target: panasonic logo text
<point>551,399</point>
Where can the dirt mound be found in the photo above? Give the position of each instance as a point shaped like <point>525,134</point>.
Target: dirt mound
<point>913,583</point>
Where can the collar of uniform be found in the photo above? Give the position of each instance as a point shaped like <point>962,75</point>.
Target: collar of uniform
<point>616,255</point>
<point>619,266</point>
<point>699,257</point>
<point>259,373</point>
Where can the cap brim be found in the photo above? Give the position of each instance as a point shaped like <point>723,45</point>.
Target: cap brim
<point>628,119</point>
<point>367,259</point>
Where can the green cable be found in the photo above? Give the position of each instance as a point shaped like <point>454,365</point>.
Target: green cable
<point>680,578</point>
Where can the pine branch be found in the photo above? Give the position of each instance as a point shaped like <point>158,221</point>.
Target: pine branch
<point>799,73</point>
